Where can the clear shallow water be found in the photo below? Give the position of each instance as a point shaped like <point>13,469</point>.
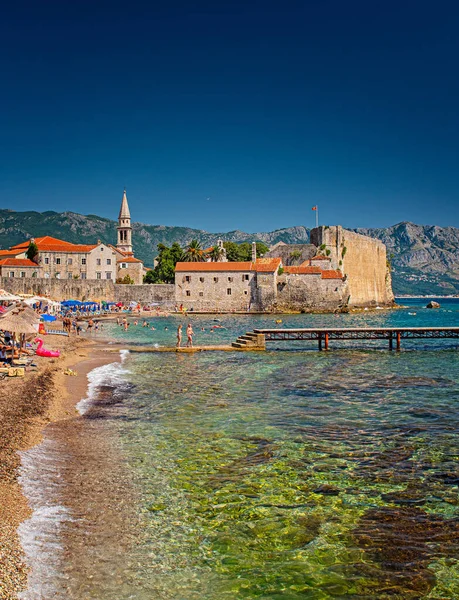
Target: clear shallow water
<point>287,474</point>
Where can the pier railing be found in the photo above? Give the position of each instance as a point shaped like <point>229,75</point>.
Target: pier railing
<point>392,334</point>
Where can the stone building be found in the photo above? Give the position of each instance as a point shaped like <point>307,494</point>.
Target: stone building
<point>58,259</point>
<point>226,286</point>
<point>362,259</point>
<point>342,270</point>
<point>63,260</point>
<point>18,267</point>
<point>126,263</point>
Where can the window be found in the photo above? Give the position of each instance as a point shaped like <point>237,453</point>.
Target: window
<point>228,291</point>
<point>11,274</point>
<point>101,249</point>
<point>245,277</point>
<point>108,275</point>
<point>57,275</point>
<point>70,275</point>
<point>245,292</point>
<point>22,273</point>
<point>201,279</point>
<point>46,261</point>
<point>123,265</point>
<point>98,262</point>
<point>98,275</point>
<point>109,261</point>
<point>188,293</point>
<point>83,261</point>
<point>201,293</point>
<point>215,279</point>
<point>58,261</point>
<point>188,278</point>
<point>70,261</point>
<point>230,279</point>
<point>83,276</point>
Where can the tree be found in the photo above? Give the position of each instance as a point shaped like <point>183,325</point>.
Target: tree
<point>243,252</point>
<point>193,253</point>
<point>216,253</point>
<point>164,272</point>
<point>32,251</point>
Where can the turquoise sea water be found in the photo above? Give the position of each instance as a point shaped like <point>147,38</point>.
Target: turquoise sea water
<point>287,474</point>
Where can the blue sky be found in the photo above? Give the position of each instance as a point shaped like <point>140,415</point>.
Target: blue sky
<point>232,115</point>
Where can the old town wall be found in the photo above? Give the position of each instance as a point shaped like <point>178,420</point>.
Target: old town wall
<point>362,259</point>
<point>59,289</point>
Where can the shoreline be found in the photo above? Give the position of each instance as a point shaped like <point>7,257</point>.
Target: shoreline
<point>43,396</point>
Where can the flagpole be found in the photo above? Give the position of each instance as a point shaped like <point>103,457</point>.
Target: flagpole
<point>317,215</point>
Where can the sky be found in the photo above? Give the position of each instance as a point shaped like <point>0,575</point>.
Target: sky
<point>232,115</point>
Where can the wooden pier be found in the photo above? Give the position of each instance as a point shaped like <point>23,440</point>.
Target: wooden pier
<point>323,336</point>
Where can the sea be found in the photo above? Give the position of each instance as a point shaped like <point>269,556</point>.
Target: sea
<point>288,474</point>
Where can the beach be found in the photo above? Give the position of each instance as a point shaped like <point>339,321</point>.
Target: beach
<point>27,405</point>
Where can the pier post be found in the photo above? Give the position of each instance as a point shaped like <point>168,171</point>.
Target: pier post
<point>398,340</point>
<point>391,340</point>
<point>326,341</point>
<point>320,341</point>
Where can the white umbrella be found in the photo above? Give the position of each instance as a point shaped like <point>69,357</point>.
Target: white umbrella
<point>7,296</point>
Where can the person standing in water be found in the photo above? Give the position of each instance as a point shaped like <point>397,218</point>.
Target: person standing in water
<point>179,336</point>
<point>189,335</point>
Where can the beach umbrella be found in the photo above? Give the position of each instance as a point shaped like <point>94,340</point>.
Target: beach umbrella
<point>47,317</point>
<point>17,321</point>
<point>4,295</point>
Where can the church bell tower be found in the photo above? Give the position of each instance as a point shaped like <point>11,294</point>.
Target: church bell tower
<point>124,227</point>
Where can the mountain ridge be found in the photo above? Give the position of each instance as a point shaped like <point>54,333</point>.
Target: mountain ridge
<point>424,258</point>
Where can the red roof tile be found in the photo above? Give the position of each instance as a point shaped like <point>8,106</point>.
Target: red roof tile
<point>128,259</point>
<point>331,274</point>
<point>17,262</point>
<point>320,257</point>
<point>51,244</point>
<point>267,265</point>
<point>10,252</point>
<point>303,270</point>
<point>183,267</point>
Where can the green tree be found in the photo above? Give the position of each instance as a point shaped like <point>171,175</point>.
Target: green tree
<point>32,251</point>
<point>243,252</point>
<point>216,253</point>
<point>164,271</point>
<point>193,253</point>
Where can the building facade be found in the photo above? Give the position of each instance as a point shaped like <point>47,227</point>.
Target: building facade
<point>58,259</point>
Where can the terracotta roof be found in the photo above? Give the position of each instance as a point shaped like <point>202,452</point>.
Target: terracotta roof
<point>267,265</point>
<point>320,257</point>
<point>128,259</point>
<point>50,244</point>
<point>183,267</point>
<point>331,274</point>
<point>303,270</point>
<point>17,262</point>
<point>10,252</point>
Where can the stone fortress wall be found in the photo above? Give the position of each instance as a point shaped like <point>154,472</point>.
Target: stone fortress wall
<point>363,260</point>
<point>59,289</point>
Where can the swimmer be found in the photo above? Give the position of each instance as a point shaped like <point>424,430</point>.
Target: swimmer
<point>153,328</point>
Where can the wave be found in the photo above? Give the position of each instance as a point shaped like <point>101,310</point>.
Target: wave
<point>112,375</point>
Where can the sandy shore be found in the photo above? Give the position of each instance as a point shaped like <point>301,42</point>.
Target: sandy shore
<point>27,405</point>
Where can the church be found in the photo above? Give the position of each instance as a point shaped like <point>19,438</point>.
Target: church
<point>58,259</point>
<point>128,268</point>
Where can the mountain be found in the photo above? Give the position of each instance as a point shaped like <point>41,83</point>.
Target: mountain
<point>424,258</point>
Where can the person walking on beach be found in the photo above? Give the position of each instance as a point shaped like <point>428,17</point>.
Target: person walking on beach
<point>179,336</point>
<point>189,335</point>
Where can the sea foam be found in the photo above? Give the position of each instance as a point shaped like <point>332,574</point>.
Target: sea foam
<point>112,374</point>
